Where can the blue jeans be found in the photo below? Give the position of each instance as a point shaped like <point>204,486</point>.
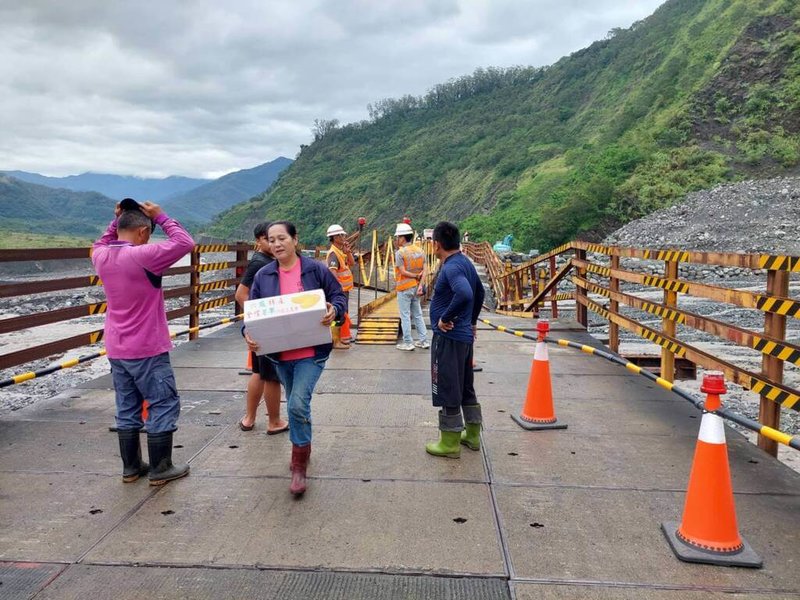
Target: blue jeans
<point>299,377</point>
<point>410,307</point>
<point>151,379</point>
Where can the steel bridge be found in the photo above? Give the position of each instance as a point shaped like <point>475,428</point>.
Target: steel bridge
<point>571,513</point>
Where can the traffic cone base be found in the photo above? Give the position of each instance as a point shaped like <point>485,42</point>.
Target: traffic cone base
<point>248,370</point>
<point>535,425</point>
<point>687,552</point>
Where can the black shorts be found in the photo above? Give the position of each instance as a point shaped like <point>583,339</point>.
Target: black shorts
<point>264,367</point>
<point>452,379</point>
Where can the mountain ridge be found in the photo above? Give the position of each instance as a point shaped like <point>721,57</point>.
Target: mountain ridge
<point>27,206</point>
<point>30,207</point>
<point>114,186</point>
<point>202,203</point>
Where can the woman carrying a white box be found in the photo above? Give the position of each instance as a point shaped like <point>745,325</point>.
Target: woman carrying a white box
<point>286,306</point>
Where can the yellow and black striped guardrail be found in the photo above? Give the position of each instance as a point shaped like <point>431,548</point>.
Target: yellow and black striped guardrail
<point>22,377</point>
<point>746,299</point>
<point>783,263</point>
<point>212,248</point>
<point>219,284</point>
<point>768,432</point>
<point>781,349</point>
<point>786,397</point>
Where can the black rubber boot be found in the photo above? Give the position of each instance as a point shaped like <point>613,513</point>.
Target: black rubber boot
<point>159,445</point>
<point>130,449</point>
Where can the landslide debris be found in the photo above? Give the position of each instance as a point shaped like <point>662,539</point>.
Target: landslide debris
<point>759,216</point>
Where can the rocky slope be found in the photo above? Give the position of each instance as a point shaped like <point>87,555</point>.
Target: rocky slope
<point>752,216</point>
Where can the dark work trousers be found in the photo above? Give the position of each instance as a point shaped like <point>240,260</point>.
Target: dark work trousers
<point>151,378</point>
<point>452,379</point>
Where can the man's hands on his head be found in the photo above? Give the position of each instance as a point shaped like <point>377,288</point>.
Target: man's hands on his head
<point>151,209</point>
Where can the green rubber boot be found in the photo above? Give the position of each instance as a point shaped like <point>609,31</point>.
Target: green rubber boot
<point>471,436</point>
<point>448,446</point>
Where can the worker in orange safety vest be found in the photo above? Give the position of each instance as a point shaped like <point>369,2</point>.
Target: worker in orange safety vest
<point>340,260</point>
<point>408,273</point>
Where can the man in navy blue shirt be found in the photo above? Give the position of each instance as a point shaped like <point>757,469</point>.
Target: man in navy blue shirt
<point>454,309</point>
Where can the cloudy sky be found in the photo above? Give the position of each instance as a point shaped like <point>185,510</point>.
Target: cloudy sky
<point>201,87</point>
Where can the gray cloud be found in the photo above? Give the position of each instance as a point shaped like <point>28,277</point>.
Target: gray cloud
<point>200,88</point>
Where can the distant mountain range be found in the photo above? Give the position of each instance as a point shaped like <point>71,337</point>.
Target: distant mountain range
<point>82,205</point>
<point>115,186</point>
<point>203,203</point>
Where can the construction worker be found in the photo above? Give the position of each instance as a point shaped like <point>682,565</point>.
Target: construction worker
<point>408,273</point>
<point>340,260</point>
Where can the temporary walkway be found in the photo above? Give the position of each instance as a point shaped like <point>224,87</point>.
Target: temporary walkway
<point>379,323</point>
<point>573,513</point>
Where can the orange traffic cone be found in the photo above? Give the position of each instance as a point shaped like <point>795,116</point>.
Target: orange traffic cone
<point>248,370</point>
<point>345,332</point>
<point>145,404</point>
<point>538,411</point>
<point>708,532</point>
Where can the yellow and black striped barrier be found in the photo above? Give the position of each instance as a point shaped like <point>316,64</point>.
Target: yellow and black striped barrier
<point>212,248</point>
<point>782,306</point>
<point>785,263</point>
<point>22,377</point>
<point>768,432</point>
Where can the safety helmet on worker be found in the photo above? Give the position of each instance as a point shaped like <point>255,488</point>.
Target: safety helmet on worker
<point>403,229</point>
<point>335,230</point>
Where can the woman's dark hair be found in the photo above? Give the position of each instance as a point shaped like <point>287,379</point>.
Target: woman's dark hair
<point>409,237</point>
<point>290,229</point>
<point>287,225</point>
<point>261,229</point>
<point>447,235</point>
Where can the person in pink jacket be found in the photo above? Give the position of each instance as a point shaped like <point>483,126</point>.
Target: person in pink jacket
<point>136,335</point>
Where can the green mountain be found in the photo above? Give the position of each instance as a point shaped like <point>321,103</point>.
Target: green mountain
<point>32,208</point>
<point>700,92</point>
<point>200,204</point>
<point>114,186</point>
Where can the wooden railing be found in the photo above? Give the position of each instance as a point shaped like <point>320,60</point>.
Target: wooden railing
<point>597,277</point>
<point>203,292</point>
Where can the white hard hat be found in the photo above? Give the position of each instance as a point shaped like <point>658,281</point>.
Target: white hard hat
<point>335,230</point>
<point>403,229</point>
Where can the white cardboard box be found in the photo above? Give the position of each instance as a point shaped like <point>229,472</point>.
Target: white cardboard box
<point>287,322</point>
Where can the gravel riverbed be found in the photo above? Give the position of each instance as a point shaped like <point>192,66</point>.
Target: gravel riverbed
<point>16,396</point>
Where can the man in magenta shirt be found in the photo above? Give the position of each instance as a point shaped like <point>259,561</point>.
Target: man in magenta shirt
<point>136,334</point>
